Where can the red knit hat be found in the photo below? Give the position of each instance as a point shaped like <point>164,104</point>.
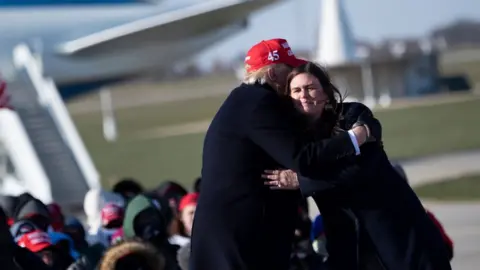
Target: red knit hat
<point>189,199</point>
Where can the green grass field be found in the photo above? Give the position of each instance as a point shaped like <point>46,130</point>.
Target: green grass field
<point>408,133</point>
<point>461,189</point>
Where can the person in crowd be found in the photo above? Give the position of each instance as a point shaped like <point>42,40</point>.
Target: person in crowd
<point>383,223</point>
<point>94,201</point>
<point>255,129</point>
<point>172,192</point>
<point>187,207</point>
<point>90,255</point>
<point>304,223</point>
<point>14,257</point>
<point>65,243</point>
<point>132,254</point>
<point>303,256</point>
<point>74,228</point>
<point>56,216</point>
<point>145,220</point>
<point>175,233</point>
<point>89,258</point>
<point>40,243</point>
<point>112,220</point>
<point>128,188</point>
<point>32,209</point>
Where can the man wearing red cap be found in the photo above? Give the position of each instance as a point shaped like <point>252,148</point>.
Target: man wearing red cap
<point>239,223</point>
<point>40,243</point>
<point>111,217</point>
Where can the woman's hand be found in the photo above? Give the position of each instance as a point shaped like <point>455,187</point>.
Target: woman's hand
<point>281,179</point>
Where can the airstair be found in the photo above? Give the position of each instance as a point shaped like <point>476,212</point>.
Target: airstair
<point>55,143</point>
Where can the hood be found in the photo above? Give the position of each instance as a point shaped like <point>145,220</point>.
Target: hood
<point>134,208</point>
<point>132,255</point>
<point>8,204</point>
<point>30,208</point>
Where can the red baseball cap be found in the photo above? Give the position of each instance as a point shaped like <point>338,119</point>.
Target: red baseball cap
<point>189,199</point>
<point>272,51</point>
<point>111,212</point>
<point>35,241</point>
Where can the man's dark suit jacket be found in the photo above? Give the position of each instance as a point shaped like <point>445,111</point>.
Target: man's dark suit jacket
<point>239,223</point>
<point>372,217</point>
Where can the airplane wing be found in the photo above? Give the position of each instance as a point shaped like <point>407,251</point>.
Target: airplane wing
<point>169,26</point>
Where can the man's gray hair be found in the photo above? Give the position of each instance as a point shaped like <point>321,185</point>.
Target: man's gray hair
<point>259,75</point>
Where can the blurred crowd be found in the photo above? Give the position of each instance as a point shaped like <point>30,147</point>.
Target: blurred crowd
<point>132,228</point>
<point>125,228</point>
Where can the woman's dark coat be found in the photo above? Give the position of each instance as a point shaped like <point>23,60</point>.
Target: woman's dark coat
<point>373,219</point>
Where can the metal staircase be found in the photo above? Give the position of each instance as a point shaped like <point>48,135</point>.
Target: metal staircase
<point>68,184</point>
<point>51,139</point>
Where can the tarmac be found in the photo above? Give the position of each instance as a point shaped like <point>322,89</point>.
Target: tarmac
<point>461,219</point>
<point>462,223</point>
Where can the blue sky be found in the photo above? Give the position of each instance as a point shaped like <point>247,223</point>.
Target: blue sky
<point>373,20</point>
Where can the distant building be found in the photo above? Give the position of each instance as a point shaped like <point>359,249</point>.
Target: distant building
<point>395,68</point>
<point>459,68</point>
<point>459,33</point>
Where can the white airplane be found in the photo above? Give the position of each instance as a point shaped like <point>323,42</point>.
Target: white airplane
<point>86,44</point>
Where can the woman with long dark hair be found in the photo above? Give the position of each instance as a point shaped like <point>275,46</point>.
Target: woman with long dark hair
<point>372,218</point>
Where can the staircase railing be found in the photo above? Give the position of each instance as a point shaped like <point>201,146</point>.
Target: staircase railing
<point>50,98</point>
<point>22,154</point>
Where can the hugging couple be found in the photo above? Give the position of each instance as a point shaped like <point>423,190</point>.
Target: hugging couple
<point>285,133</point>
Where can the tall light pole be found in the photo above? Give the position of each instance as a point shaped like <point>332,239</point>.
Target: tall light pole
<point>108,116</point>
<point>368,84</point>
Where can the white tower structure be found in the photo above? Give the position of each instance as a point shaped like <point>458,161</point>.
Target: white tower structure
<point>336,44</point>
